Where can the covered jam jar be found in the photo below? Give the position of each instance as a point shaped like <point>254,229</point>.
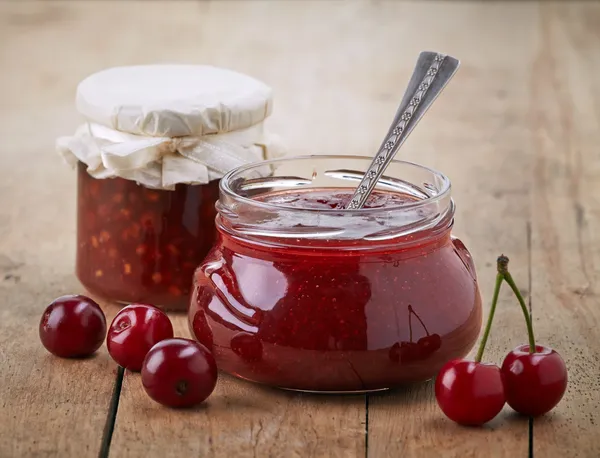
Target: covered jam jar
<point>301,294</point>
<point>155,142</point>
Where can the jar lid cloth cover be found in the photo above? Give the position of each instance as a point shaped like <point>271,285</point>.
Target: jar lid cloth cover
<point>161,125</point>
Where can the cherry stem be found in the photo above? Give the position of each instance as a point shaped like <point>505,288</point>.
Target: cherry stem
<point>419,318</point>
<point>488,326</point>
<point>503,270</point>
<point>409,323</point>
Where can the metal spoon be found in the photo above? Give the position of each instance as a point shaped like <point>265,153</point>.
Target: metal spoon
<point>432,73</point>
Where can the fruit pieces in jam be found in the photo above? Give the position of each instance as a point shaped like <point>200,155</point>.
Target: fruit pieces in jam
<point>141,245</point>
<point>363,316</point>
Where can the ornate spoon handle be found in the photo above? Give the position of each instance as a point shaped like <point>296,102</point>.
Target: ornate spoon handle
<point>432,73</point>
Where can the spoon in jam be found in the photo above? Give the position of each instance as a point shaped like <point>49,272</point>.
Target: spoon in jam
<point>431,74</point>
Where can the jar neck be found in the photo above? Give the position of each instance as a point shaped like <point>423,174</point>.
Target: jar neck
<point>300,202</point>
<point>426,233</point>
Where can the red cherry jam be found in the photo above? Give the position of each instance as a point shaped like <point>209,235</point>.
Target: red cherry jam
<point>291,297</point>
<point>139,245</point>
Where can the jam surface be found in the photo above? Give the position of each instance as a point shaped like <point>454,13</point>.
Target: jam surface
<point>328,199</point>
<point>354,318</point>
<point>141,245</point>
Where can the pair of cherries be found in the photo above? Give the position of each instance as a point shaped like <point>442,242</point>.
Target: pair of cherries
<point>176,372</point>
<point>532,379</point>
<point>408,352</point>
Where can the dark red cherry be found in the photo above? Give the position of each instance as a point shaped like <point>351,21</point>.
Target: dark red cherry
<point>72,326</point>
<point>404,352</point>
<point>429,344</point>
<point>134,331</point>
<point>470,393</point>
<point>535,382</point>
<point>179,373</point>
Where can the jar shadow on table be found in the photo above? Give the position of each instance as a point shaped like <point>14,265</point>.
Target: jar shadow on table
<point>278,394</point>
<point>410,393</point>
<point>232,395</point>
<point>402,395</point>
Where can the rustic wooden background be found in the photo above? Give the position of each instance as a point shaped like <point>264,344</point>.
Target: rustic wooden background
<point>517,131</point>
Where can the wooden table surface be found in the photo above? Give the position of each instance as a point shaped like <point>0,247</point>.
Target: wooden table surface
<point>517,131</point>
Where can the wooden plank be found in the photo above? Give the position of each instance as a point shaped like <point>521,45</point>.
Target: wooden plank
<point>476,137</point>
<point>565,114</point>
<point>48,406</point>
<point>239,419</point>
<point>376,92</point>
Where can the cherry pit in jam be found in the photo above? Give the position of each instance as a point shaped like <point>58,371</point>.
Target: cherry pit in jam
<point>301,294</point>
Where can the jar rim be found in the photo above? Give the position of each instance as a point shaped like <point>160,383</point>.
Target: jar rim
<point>226,188</point>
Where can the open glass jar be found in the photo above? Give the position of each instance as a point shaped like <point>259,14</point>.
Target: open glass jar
<point>300,294</point>
<point>156,141</point>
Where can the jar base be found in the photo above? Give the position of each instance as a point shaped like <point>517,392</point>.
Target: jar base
<point>351,392</point>
<point>324,392</point>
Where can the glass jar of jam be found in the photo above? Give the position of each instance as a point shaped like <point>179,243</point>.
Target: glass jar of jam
<point>301,294</point>
<point>136,244</point>
<point>156,141</point>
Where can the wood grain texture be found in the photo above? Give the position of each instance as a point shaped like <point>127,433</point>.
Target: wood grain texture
<point>45,401</point>
<point>485,155</point>
<point>516,132</point>
<point>239,419</point>
<point>565,115</point>
<point>49,407</point>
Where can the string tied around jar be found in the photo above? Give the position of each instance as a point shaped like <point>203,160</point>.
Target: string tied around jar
<point>171,146</point>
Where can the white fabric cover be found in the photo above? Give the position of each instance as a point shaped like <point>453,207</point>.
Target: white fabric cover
<point>166,124</point>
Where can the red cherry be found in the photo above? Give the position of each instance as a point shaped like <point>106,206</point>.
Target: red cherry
<point>404,352</point>
<point>534,382</point>
<point>72,327</point>
<point>408,352</point>
<point>134,331</point>
<point>429,345</point>
<point>179,373</point>
<point>470,393</point>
